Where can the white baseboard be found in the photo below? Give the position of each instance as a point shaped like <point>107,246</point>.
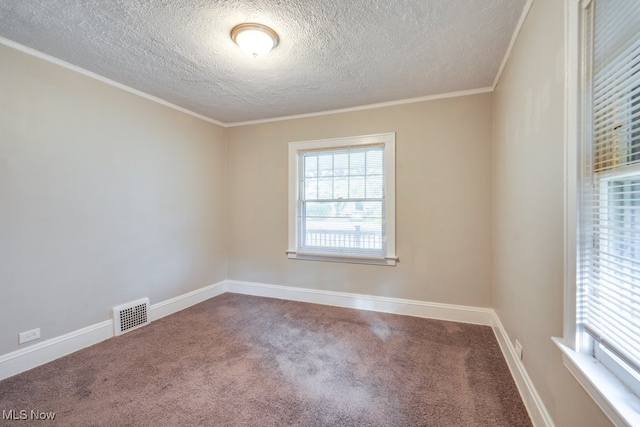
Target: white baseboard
<point>432,310</point>
<point>173,305</point>
<point>38,354</point>
<point>532,401</point>
<point>24,359</point>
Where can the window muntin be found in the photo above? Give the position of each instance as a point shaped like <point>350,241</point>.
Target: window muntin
<point>342,199</point>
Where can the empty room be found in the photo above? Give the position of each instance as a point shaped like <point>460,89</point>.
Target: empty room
<point>320,213</point>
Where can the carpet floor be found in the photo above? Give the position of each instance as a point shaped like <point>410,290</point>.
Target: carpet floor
<point>238,360</point>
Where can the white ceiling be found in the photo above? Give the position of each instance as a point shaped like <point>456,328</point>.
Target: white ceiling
<point>333,54</point>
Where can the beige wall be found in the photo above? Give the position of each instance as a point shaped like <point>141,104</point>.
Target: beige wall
<point>443,191</point>
<point>528,210</point>
<point>105,197</point>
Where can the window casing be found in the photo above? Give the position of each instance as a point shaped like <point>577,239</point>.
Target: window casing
<point>342,200</point>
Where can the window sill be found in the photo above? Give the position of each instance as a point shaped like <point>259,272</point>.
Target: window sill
<point>390,261</point>
<point>615,399</point>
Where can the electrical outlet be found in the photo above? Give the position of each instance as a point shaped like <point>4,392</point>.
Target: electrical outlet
<point>27,336</point>
<point>519,351</point>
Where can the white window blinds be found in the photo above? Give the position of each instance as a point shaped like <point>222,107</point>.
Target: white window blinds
<point>342,201</point>
<point>609,276</point>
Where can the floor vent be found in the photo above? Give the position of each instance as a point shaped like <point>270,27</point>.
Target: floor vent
<point>130,316</point>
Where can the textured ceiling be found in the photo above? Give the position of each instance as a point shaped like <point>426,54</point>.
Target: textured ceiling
<point>332,54</point>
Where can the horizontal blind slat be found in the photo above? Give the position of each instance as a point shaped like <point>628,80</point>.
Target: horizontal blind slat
<point>611,295</point>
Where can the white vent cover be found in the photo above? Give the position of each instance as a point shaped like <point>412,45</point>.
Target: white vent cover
<point>130,316</point>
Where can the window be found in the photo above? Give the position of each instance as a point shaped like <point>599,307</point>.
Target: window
<point>603,272</point>
<point>342,199</point>
<point>601,344</point>
<point>609,280</point>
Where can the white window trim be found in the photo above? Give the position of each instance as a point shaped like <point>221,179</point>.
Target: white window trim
<point>618,403</point>
<point>389,141</point>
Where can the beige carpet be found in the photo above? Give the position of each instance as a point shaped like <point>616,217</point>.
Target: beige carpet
<point>238,360</point>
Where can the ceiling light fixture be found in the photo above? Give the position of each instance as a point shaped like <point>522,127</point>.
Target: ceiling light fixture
<point>254,39</point>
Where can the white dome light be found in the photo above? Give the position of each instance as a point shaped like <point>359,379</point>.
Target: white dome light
<point>254,39</point>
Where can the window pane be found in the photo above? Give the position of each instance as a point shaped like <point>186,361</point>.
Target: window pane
<point>374,187</point>
<point>341,163</point>
<point>325,188</point>
<point>621,242</point>
<point>341,188</point>
<point>374,162</point>
<point>317,210</point>
<point>325,165</point>
<point>357,162</point>
<point>612,309</point>
<point>310,188</point>
<point>371,210</point>
<point>310,166</point>
<point>343,225</point>
<point>356,187</point>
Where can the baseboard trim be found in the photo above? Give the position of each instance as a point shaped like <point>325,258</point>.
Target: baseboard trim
<point>455,313</point>
<point>173,305</point>
<point>532,401</point>
<point>38,354</point>
<point>24,359</point>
